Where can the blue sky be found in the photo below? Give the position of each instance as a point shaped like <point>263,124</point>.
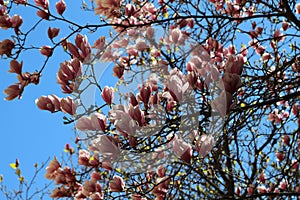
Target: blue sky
<point>29,134</point>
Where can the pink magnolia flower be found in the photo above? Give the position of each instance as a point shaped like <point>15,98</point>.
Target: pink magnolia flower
<point>149,33</point>
<point>60,7</point>
<point>161,189</point>
<point>137,197</point>
<point>84,157</point>
<point>53,166</point>
<point>286,140</point>
<point>46,51</point>
<point>84,123</point>
<point>6,47</point>
<point>278,36</point>
<point>176,37</point>
<point>262,189</point>
<point>5,21</point>
<point>53,32</point>
<point>177,86</point>
<point>298,8</point>
<point>42,3</point>
<point>50,102</point>
<point>20,1</point>
<point>84,46</point>
<point>13,91</point>
<point>205,144</point>
<point>122,120</point>
<point>90,188</point>
<point>266,56</point>
<point>262,177</point>
<point>145,93</point>
<point>108,94</point>
<point>141,45</point>
<point>283,185</point>
<point>250,190</point>
<point>117,184</point>
<point>279,156</point>
<point>95,122</point>
<point>161,171</point>
<point>275,117</point>
<point>129,9</point>
<point>231,82</point>
<point>234,67</point>
<point>16,21</point>
<point>137,114</point>
<point>100,43</point>
<point>285,25</point>
<point>68,105</point>
<point>44,14</point>
<point>108,8</point>
<point>118,71</point>
<point>73,50</point>
<point>15,67</point>
<point>182,149</point>
<point>260,50</point>
<point>105,145</point>
<point>67,74</point>
<point>96,176</point>
<point>295,164</point>
<point>61,192</point>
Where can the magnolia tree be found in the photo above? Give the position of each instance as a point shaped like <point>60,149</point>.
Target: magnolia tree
<point>204,103</point>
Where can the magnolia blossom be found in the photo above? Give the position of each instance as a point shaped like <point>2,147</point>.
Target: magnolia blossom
<point>205,144</point>
<point>44,14</point>
<point>91,189</point>
<point>16,22</point>
<point>286,140</point>
<point>84,157</point>
<point>283,185</point>
<point>53,32</point>
<point>50,103</point>
<point>15,67</point>
<point>177,86</point>
<point>60,7</point>
<point>108,94</point>
<point>279,156</point>
<point>117,184</point>
<point>234,67</point>
<point>46,51</point>
<point>60,192</point>
<point>231,82</point>
<point>182,149</point>
<point>137,114</point>
<point>53,166</point>
<point>161,189</point>
<point>295,164</point>
<point>6,47</point>
<point>105,145</point>
<point>95,122</point>
<point>137,197</point>
<point>13,91</point>
<point>176,36</point>
<point>122,120</point>
<point>262,177</point>
<point>298,8</point>
<point>42,3</point>
<point>68,105</point>
<point>67,74</point>
<point>84,46</point>
<point>262,189</point>
<point>107,8</point>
